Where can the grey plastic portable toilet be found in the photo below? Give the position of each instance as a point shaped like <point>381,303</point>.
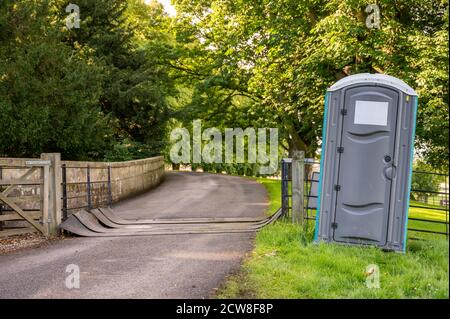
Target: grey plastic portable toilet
<point>367,153</point>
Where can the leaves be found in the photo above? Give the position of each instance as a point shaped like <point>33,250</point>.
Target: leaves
<point>131,72</point>
<point>284,55</point>
<point>83,92</point>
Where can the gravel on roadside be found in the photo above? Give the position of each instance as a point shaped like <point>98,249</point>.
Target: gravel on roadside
<point>18,242</point>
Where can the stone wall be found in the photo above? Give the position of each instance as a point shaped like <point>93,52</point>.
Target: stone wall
<point>126,179</point>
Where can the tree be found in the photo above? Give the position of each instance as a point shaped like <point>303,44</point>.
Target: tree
<point>128,37</point>
<point>424,181</point>
<point>91,92</point>
<point>48,92</point>
<point>283,55</point>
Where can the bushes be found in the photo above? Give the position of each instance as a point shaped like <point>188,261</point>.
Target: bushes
<point>84,92</point>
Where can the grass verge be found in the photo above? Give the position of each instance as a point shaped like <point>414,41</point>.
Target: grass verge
<point>286,264</point>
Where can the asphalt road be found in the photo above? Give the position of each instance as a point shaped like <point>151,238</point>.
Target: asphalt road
<point>170,266</point>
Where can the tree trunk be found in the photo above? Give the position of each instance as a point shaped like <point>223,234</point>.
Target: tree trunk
<point>296,143</point>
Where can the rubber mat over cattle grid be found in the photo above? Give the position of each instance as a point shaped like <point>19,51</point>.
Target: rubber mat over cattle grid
<point>103,222</point>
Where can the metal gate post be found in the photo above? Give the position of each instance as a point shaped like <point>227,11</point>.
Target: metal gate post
<point>88,187</point>
<point>46,201</point>
<point>446,204</point>
<point>298,169</point>
<point>64,191</point>
<point>109,186</point>
<point>1,204</point>
<point>284,188</point>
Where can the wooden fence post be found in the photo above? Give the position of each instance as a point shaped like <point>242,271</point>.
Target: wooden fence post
<point>54,192</point>
<point>46,203</point>
<point>298,212</point>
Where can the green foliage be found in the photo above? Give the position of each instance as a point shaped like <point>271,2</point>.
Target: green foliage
<point>48,92</point>
<point>137,85</point>
<point>425,182</point>
<point>280,57</point>
<point>127,150</point>
<point>130,69</point>
<point>85,92</point>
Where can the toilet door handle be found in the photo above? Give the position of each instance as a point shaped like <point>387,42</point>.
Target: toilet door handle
<point>389,172</point>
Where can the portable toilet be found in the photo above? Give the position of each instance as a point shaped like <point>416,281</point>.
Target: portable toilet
<point>366,165</point>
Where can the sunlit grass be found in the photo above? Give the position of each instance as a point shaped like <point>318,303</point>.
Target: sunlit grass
<point>273,188</point>
<point>287,264</point>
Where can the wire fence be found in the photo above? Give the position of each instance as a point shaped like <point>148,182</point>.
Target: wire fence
<point>429,199</point>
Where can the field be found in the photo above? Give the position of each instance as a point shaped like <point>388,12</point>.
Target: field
<point>287,264</point>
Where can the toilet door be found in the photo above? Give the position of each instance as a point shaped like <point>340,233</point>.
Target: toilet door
<point>366,167</point>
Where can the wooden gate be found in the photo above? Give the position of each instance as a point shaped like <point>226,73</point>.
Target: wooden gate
<point>28,196</point>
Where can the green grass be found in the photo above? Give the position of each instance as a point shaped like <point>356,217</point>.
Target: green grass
<point>274,190</point>
<point>273,187</point>
<point>429,213</point>
<point>287,264</point>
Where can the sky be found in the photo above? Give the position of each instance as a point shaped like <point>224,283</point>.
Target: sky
<point>168,7</point>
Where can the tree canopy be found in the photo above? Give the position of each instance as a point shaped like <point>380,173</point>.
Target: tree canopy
<point>283,55</point>
<point>98,91</point>
<point>113,88</point>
